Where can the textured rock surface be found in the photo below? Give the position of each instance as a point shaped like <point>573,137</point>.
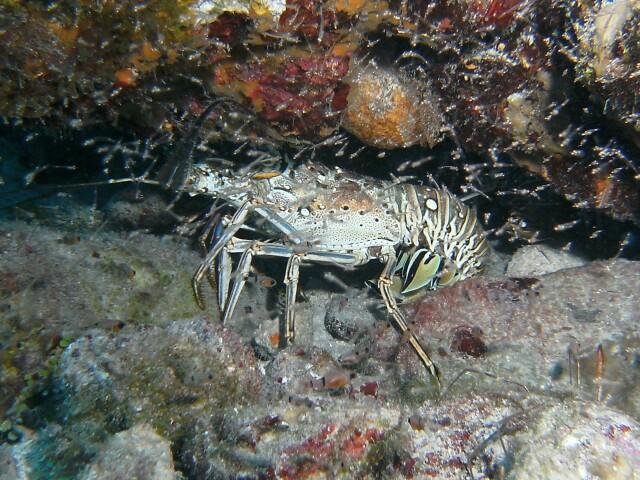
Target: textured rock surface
<point>8,464</point>
<point>543,331</point>
<point>56,285</point>
<point>138,453</point>
<point>578,441</point>
<point>540,373</point>
<point>536,260</point>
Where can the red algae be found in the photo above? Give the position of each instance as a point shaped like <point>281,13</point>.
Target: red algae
<point>302,94</point>
<point>356,444</point>
<point>497,12</point>
<point>468,340</point>
<point>318,444</point>
<point>369,388</point>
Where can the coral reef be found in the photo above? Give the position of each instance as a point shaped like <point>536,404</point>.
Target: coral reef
<point>605,50</point>
<point>72,62</point>
<point>108,369</point>
<point>528,81</point>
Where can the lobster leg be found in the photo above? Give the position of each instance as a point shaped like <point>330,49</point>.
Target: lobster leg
<point>228,297</point>
<point>384,284</point>
<point>280,250</point>
<point>241,275</point>
<point>236,223</point>
<point>224,275</point>
<point>251,248</point>
<point>285,228</point>
<point>291,278</point>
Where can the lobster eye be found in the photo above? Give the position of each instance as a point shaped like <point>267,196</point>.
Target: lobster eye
<point>420,270</point>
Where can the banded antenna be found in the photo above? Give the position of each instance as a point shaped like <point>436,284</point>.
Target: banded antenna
<point>176,170</point>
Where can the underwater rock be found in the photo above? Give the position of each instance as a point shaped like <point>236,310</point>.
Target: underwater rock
<point>575,440</point>
<point>55,285</point>
<point>188,365</point>
<point>323,406</point>
<point>338,322</point>
<point>536,260</point>
<point>139,209</point>
<point>554,129</point>
<point>14,461</point>
<point>553,139</point>
<point>140,65</point>
<point>574,330</point>
<point>76,66</point>
<point>180,380</point>
<point>135,453</point>
<point>8,464</point>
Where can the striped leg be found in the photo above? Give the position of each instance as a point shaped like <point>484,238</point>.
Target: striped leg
<point>384,285</point>
<point>251,248</point>
<point>291,278</point>
<point>241,275</point>
<point>236,223</point>
<point>225,268</point>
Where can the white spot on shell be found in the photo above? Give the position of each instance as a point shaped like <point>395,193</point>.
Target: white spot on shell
<point>431,204</point>
<point>304,212</point>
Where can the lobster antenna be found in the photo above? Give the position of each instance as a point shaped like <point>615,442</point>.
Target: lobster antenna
<point>26,194</point>
<point>176,170</point>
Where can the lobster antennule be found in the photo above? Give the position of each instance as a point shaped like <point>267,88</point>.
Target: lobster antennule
<point>177,170</point>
